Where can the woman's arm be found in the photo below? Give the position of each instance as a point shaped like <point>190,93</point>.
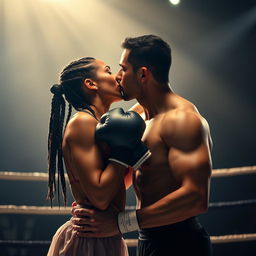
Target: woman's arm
<point>99,184</point>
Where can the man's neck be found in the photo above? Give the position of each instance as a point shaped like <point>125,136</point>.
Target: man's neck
<point>155,100</point>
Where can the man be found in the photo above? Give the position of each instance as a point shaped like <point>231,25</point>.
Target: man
<point>172,186</point>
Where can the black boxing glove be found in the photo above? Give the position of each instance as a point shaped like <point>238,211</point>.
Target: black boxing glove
<point>122,132</point>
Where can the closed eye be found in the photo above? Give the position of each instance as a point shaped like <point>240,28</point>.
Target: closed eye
<point>108,70</point>
<point>122,67</point>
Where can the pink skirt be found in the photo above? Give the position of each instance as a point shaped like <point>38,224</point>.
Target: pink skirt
<point>66,243</point>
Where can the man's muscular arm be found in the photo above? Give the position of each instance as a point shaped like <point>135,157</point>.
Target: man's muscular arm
<point>186,134</point>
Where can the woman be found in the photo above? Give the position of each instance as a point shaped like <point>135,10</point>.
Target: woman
<point>90,87</point>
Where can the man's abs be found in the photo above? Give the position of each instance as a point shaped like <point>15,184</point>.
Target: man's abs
<point>154,180</point>
<point>152,184</point>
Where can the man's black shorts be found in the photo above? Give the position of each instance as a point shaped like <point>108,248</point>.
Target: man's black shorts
<point>184,238</point>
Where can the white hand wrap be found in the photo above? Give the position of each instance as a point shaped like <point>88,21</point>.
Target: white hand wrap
<point>127,221</point>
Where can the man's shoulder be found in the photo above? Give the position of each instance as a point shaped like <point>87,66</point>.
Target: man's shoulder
<point>182,114</point>
<point>183,124</point>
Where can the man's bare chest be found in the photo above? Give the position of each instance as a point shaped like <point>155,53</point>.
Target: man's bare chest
<point>152,138</point>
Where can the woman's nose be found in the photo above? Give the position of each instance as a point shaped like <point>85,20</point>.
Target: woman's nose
<point>119,76</point>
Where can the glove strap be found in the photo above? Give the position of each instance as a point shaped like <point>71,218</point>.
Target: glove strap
<point>120,162</point>
<point>140,154</point>
<point>127,221</point>
<point>141,160</point>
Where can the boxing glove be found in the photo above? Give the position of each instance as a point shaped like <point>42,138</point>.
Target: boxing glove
<point>122,132</point>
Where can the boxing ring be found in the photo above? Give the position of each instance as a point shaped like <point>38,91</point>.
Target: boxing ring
<point>41,210</point>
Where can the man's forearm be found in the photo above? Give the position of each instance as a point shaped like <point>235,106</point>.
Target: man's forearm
<point>175,207</point>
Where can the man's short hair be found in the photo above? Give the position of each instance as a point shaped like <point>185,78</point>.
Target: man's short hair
<point>152,52</point>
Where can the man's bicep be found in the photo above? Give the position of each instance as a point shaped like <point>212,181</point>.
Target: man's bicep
<point>187,138</point>
<point>192,166</point>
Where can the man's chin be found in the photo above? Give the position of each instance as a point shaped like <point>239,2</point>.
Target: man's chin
<point>123,93</point>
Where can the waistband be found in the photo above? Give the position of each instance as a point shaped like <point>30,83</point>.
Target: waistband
<point>191,224</point>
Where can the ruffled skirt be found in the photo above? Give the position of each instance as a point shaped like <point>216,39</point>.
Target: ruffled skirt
<point>66,243</point>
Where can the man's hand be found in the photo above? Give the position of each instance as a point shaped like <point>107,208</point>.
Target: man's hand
<point>95,223</point>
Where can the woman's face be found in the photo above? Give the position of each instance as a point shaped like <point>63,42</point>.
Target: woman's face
<point>106,81</point>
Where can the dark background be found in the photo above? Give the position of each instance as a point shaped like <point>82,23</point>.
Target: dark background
<point>213,44</point>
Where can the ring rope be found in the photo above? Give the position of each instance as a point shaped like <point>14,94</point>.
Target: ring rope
<point>233,238</point>
<point>216,173</point>
<point>23,243</point>
<point>38,210</point>
<point>42,176</point>
<point>232,203</point>
<point>217,204</point>
<point>44,210</point>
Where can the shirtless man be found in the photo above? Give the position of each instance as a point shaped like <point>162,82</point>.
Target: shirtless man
<point>172,186</point>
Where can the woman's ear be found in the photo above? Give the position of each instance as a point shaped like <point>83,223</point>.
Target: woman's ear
<point>89,84</point>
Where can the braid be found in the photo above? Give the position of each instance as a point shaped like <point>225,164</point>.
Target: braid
<point>54,146</point>
<point>61,175</point>
<point>69,114</point>
<point>71,79</point>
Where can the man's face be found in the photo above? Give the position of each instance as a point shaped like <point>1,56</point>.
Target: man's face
<point>127,78</point>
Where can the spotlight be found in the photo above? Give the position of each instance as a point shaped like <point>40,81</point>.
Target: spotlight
<point>174,2</point>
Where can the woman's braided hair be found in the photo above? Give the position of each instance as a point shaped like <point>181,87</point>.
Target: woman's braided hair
<point>71,81</point>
